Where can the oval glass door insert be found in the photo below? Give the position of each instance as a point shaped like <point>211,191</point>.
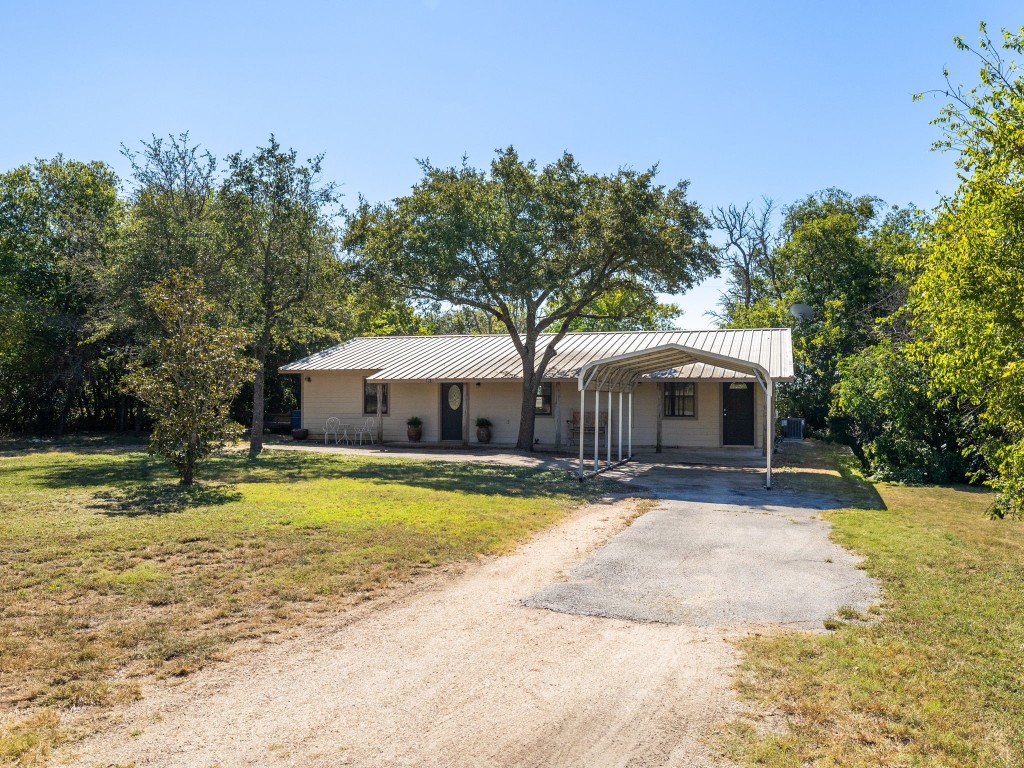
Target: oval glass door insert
<point>454,397</point>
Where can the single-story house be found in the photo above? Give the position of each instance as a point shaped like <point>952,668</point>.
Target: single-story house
<point>682,388</point>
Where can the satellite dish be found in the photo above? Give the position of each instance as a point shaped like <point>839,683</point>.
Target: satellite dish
<point>802,312</point>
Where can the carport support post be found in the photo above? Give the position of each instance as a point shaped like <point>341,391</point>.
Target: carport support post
<point>661,411</point>
<point>631,423</point>
<point>557,387</point>
<point>620,425</point>
<point>608,433</point>
<point>769,432</point>
<point>583,420</point>
<point>380,418</point>
<point>597,430</point>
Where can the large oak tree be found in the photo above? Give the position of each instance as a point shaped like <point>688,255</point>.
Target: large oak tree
<point>536,248</point>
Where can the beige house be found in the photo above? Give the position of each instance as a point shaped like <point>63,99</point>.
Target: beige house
<point>651,389</point>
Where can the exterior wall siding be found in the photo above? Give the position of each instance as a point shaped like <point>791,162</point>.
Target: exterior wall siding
<point>330,393</point>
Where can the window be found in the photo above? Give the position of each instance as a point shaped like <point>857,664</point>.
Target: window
<point>370,398</point>
<point>681,398</point>
<point>542,405</point>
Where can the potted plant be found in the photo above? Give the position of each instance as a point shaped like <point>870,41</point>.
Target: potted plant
<point>414,430</point>
<point>483,430</point>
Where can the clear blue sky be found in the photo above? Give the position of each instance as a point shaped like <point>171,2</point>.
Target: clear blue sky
<point>744,99</point>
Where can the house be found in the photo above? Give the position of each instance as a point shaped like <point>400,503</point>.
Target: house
<point>681,388</point>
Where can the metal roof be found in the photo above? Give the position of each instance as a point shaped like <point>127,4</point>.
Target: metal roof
<point>493,357</point>
<point>622,372</point>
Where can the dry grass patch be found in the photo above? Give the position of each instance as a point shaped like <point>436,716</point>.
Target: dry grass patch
<point>109,571</point>
<point>938,681</point>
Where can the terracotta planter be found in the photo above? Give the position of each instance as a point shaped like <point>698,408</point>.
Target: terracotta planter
<point>483,434</point>
<point>414,434</point>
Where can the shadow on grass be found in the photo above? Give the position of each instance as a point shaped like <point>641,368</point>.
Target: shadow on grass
<point>86,441</point>
<point>827,470</point>
<point>160,499</point>
<point>123,468</point>
<point>478,478</point>
<point>142,483</point>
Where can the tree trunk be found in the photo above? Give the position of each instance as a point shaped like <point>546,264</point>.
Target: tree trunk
<point>256,435</point>
<point>186,474</point>
<point>526,412</point>
<point>527,415</point>
<point>532,377</point>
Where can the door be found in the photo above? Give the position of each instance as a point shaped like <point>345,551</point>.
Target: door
<point>451,411</point>
<point>738,413</point>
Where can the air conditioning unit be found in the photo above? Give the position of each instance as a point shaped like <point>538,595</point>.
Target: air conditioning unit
<point>792,429</point>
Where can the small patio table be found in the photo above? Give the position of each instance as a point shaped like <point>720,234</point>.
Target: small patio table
<point>344,434</point>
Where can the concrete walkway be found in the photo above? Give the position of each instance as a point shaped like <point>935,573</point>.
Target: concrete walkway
<point>436,453</point>
<point>674,457</point>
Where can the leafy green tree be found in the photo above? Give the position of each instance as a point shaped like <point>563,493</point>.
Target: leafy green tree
<point>460,320</point>
<point>533,248</point>
<point>969,301</point>
<point>173,221</point>
<point>637,310</point>
<point>888,399</point>
<point>280,254</point>
<point>199,366</point>
<point>627,310</point>
<point>834,252</point>
<point>60,226</point>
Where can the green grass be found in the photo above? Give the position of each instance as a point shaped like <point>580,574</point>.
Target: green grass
<point>109,571</point>
<point>934,678</point>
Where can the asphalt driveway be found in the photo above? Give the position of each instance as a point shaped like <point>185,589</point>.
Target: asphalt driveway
<point>717,551</point>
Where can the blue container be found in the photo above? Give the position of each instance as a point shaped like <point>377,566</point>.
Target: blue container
<point>296,419</point>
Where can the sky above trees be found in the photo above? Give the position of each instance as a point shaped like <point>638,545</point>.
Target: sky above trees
<point>743,99</point>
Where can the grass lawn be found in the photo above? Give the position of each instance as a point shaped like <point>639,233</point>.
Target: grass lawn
<point>938,681</point>
<point>109,571</point>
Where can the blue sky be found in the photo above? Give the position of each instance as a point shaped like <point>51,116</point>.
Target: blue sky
<point>744,99</point>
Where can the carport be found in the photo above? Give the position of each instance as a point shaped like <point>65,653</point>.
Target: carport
<point>619,375</point>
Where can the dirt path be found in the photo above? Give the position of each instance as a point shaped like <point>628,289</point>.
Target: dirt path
<point>457,673</point>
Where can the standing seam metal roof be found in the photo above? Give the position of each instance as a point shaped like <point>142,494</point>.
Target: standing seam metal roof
<point>491,357</point>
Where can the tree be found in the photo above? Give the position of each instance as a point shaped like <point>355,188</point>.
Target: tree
<point>968,301</point>
<point>627,310</point>
<point>827,254</point>
<point>173,218</point>
<point>902,430</point>
<point>747,257</point>
<point>533,248</point>
<point>199,366</point>
<point>637,310</point>
<point>60,226</point>
<point>280,243</point>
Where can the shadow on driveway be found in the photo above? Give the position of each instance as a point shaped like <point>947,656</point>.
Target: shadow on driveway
<point>722,551</point>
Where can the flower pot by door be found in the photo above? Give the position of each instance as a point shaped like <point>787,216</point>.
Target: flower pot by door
<point>483,434</point>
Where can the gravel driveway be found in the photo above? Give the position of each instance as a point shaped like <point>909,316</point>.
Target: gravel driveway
<point>633,665</point>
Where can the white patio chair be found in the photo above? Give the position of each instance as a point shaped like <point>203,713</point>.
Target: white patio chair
<point>332,427</point>
<point>370,430</point>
